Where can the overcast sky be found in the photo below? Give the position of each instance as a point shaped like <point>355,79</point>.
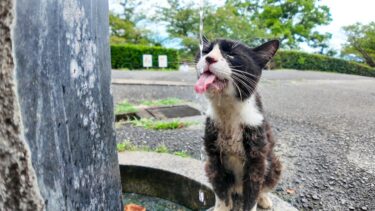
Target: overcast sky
<point>344,12</point>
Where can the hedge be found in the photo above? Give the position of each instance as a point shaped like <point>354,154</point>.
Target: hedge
<point>305,61</point>
<point>131,56</point>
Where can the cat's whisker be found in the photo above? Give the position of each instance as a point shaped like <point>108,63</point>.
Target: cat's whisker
<point>236,43</point>
<point>246,79</point>
<point>241,71</point>
<point>241,79</point>
<point>247,89</point>
<point>235,69</point>
<point>239,90</point>
<point>242,76</point>
<point>247,74</point>
<point>235,66</point>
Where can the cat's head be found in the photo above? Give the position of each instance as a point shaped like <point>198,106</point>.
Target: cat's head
<point>231,68</point>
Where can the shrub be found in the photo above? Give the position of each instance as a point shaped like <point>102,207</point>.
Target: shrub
<point>305,61</point>
<point>131,56</point>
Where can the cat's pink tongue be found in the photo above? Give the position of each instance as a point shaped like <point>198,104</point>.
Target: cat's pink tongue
<point>205,80</point>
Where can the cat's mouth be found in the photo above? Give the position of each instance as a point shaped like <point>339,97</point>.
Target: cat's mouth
<point>209,81</point>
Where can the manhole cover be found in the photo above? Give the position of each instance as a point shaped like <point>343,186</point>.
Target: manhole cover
<point>173,111</point>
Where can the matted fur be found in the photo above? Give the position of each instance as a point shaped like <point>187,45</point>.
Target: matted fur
<point>241,165</point>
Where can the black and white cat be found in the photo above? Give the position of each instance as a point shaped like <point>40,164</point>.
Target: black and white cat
<point>241,165</point>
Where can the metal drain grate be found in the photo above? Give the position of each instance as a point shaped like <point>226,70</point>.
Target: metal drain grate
<point>173,111</point>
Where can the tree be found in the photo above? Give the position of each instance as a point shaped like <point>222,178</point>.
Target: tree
<point>125,31</point>
<point>182,22</point>
<point>292,21</point>
<point>123,26</point>
<point>251,21</point>
<point>361,42</point>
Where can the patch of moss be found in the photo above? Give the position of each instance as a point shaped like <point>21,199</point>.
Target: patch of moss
<point>125,107</point>
<point>162,102</point>
<point>160,125</point>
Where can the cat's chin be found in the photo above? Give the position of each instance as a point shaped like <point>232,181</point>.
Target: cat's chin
<point>218,86</point>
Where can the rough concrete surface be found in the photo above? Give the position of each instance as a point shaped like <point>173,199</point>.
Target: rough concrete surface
<point>18,187</point>
<point>63,76</point>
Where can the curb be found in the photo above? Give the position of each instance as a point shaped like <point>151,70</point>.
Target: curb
<point>149,82</point>
<point>177,167</point>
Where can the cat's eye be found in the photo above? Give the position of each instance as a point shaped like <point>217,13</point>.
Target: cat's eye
<point>207,49</point>
<point>226,47</point>
<point>230,56</point>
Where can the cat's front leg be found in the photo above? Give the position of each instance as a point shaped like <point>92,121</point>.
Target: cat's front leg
<point>255,166</point>
<point>251,191</point>
<point>222,180</point>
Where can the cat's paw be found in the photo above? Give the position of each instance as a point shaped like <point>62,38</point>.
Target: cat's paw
<point>220,205</point>
<point>264,202</point>
<point>254,208</point>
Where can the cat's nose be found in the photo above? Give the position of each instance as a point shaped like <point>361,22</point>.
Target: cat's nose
<point>210,60</point>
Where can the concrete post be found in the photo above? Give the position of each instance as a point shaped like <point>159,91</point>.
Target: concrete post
<point>55,100</point>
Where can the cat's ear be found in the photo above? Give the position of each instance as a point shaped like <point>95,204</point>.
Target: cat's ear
<point>266,51</point>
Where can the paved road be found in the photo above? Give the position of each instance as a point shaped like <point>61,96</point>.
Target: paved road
<point>325,124</point>
<point>267,75</point>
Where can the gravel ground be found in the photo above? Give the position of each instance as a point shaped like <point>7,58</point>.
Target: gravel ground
<point>325,124</point>
<point>176,140</point>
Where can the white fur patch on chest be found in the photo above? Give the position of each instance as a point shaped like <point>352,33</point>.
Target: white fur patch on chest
<point>230,112</point>
<point>230,115</point>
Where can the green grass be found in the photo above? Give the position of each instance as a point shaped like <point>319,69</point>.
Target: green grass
<point>183,154</point>
<point>125,107</point>
<point>160,125</point>
<point>162,102</point>
<point>126,145</point>
<point>162,149</point>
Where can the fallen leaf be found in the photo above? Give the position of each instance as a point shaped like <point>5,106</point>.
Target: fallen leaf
<point>290,191</point>
<point>134,207</point>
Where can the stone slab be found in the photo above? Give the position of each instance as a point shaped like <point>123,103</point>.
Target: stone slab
<point>188,167</point>
<point>18,185</point>
<point>63,76</point>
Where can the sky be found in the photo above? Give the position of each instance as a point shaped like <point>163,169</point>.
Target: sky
<point>344,12</point>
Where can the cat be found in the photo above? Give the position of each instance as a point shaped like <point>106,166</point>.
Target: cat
<point>241,164</point>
